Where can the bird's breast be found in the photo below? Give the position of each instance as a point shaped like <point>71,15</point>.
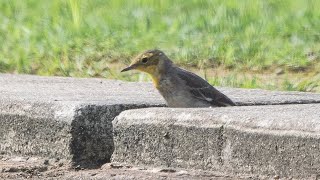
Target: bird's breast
<point>169,89</point>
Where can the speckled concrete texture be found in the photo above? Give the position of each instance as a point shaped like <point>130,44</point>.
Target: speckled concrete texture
<point>271,140</point>
<point>66,118</point>
<point>71,118</point>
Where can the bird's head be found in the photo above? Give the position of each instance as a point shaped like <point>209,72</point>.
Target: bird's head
<point>148,61</point>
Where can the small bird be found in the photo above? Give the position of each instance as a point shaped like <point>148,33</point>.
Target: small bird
<point>179,87</point>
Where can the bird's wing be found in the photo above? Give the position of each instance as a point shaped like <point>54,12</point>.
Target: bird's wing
<point>202,90</point>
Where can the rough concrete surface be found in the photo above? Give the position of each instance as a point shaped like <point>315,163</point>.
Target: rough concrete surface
<point>280,140</point>
<point>65,117</point>
<point>71,118</point>
<point>45,168</point>
<point>101,91</point>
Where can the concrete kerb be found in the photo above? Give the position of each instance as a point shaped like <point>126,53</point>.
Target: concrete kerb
<point>268,140</point>
<point>81,134</point>
<point>71,117</point>
<point>65,118</point>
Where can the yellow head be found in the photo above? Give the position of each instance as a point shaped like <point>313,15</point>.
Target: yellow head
<point>151,62</point>
<point>147,61</point>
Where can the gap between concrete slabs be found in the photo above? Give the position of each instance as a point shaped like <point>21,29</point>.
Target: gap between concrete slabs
<point>65,118</point>
<point>83,135</point>
<point>268,140</point>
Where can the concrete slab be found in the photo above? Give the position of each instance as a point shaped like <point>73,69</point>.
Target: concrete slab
<point>70,118</point>
<point>65,118</point>
<point>101,91</point>
<point>268,140</point>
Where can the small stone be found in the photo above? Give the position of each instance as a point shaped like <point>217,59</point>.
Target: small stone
<point>77,168</point>
<point>181,173</point>
<point>276,177</point>
<point>105,166</point>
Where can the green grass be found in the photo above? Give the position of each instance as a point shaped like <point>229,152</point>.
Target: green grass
<point>82,38</point>
<point>284,84</point>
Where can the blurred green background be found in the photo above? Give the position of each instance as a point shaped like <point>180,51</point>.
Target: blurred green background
<point>271,44</point>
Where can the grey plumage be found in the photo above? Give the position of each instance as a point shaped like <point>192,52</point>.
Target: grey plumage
<point>202,90</point>
<point>180,88</point>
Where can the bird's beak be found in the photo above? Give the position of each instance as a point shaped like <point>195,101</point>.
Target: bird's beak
<point>128,68</point>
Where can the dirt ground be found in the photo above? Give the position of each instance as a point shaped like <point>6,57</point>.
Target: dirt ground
<point>42,168</point>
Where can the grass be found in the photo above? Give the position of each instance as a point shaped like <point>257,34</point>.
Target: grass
<point>94,38</point>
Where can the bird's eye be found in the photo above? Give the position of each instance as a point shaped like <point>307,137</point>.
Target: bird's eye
<point>144,60</point>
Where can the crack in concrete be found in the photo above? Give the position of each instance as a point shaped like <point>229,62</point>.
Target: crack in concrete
<point>274,104</point>
<point>221,143</point>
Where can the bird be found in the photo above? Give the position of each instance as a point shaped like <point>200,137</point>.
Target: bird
<point>179,88</point>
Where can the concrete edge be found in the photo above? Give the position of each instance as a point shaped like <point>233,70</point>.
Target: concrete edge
<point>158,137</point>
